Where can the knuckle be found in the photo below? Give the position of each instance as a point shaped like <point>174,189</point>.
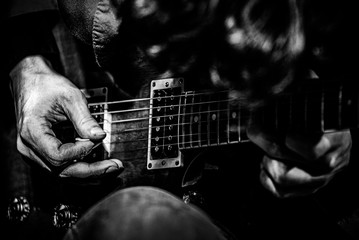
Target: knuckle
<point>55,158</point>
<point>275,171</point>
<point>274,150</point>
<point>20,146</point>
<point>337,162</point>
<point>25,127</point>
<point>72,95</point>
<point>280,179</point>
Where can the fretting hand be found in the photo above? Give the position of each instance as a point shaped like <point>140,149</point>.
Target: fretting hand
<point>296,164</point>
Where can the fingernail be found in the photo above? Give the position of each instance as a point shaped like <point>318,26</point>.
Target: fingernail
<point>82,139</point>
<point>96,131</point>
<point>112,169</point>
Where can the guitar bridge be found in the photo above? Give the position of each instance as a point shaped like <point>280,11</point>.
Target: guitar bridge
<point>163,135</point>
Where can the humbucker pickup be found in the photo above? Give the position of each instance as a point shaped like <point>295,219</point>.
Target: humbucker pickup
<point>164,117</point>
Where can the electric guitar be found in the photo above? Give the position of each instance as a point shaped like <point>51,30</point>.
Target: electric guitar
<point>150,135</point>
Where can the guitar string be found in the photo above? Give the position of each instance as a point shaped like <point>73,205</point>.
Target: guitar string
<point>179,124</point>
<point>194,94</point>
<point>171,96</point>
<point>216,132</point>
<point>208,142</point>
<point>168,116</point>
<point>212,142</point>
<point>210,113</point>
<point>280,103</point>
<point>159,107</point>
<point>245,118</point>
<point>192,143</point>
<point>174,136</point>
<point>182,124</point>
<point>197,103</point>
<point>174,125</point>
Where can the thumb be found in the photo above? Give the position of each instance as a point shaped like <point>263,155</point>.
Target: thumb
<point>85,125</point>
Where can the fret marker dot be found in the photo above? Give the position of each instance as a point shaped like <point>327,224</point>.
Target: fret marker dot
<point>158,119</point>
<point>214,117</point>
<point>157,139</point>
<point>157,129</point>
<point>195,119</point>
<point>170,137</point>
<point>234,114</point>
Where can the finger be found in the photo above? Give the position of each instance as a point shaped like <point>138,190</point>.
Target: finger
<point>43,141</point>
<point>337,160</point>
<point>93,170</point>
<point>27,152</point>
<point>277,191</point>
<point>291,177</point>
<point>313,148</point>
<point>85,125</point>
<point>271,144</point>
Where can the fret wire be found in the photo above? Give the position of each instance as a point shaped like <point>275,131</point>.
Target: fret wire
<point>183,119</point>
<point>322,112</point>
<point>228,140</point>
<point>290,111</point>
<point>306,113</point>
<point>191,123</point>
<point>218,121</point>
<point>208,126</point>
<point>200,123</point>
<point>239,124</point>
<point>340,98</point>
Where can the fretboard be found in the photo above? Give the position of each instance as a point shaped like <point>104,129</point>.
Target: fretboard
<point>211,119</point>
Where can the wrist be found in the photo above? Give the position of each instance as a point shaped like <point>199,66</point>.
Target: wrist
<point>35,64</point>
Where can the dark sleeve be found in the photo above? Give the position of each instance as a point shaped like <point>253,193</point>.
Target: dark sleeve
<point>30,34</point>
<point>14,8</point>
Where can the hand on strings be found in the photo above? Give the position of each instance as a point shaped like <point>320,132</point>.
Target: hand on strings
<point>43,98</point>
<point>299,164</point>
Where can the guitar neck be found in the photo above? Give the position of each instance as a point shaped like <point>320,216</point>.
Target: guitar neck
<point>172,120</point>
<point>211,119</point>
